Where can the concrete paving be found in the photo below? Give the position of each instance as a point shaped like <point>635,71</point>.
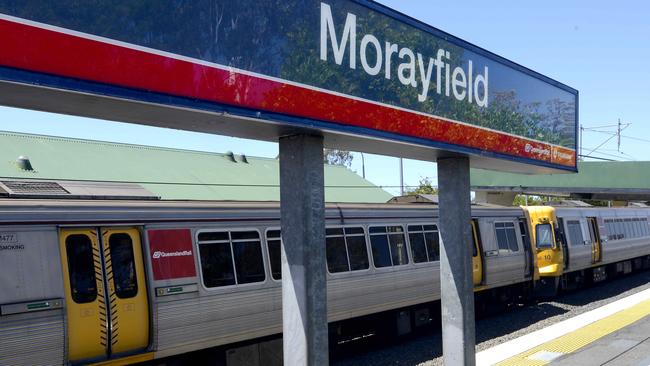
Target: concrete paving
<point>629,346</point>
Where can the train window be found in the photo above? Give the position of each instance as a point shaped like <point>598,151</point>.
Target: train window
<point>358,252</point>
<point>639,224</point>
<point>575,232</point>
<point>398,245</point>
<point>337,256</point>
<point>81,268</point>
<point>388,246</point>
<point>273,243</point>
<point>229,258</point>
<point>425,245</point>
<point>249,265</point>
<point>380,250</point>
<point>627,223</point>
<point>506,237</point>
<point>124,275</point>
<point>346,249</point>
<point>620,229</point>
<point>214,236</point>
<point>418,246</point>
<point>216,264</point>
<point>609,224</point>
<point>636,228</point>
<point>334,231</point>
<point>544,236</point>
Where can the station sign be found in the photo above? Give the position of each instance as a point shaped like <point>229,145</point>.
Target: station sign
<point>349,67</point>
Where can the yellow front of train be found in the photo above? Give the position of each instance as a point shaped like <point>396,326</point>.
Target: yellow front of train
<point>549,255</point>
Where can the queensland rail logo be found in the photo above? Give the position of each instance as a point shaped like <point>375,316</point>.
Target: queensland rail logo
<point>160,254</point>
<point>414,69</point>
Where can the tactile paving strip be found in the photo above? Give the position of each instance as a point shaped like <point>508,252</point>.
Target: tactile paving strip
<point>571,342</point>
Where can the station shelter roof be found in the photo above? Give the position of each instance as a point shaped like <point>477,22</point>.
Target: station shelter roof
<point>171,174</point>
<point>615,180</point>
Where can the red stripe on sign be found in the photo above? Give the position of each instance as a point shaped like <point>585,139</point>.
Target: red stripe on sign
<point>171,254</point>
<point>42,50</point>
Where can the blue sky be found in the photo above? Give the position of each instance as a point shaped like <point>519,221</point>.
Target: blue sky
<point>601,48</point>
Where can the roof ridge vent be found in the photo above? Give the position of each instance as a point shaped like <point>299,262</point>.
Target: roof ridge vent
<point>231,156</point>
<point>24,163</point>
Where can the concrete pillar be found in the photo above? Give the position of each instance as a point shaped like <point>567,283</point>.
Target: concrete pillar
<point>457,303</point>
<point>304,287</point>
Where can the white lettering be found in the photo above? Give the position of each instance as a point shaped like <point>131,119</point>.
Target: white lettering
<point>481,80</point>
<point>439,66</point>
<point>425,76</point>
<point>369,38</point>
<point>458,79</point>
<point>410,66</point>
<point>390,50</point>
<point>537,150</point>
<point>160,254</point>
<point>349,35</point>
<point>414,71</point>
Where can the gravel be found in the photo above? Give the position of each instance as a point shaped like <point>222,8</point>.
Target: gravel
<point>426,348</point>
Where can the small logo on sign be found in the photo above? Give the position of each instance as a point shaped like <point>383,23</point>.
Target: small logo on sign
<point>561,155</point>
<point>160,254</point>
<point>537,150</point>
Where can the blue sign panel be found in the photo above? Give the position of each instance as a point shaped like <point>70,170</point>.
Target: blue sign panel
<point>345,63</point>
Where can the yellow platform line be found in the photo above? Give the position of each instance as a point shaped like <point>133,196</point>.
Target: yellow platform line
<point>580,338</point>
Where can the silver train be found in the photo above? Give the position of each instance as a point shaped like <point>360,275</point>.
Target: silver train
<point>118,282</point>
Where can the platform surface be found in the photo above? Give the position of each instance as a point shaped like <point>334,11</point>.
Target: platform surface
<point>615,334</point>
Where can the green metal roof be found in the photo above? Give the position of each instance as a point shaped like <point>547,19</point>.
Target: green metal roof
<point>616,180</point>
<point>591,174</point>
<point>172,174</point>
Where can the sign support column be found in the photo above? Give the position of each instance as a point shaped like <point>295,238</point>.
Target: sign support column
<point>304,286</point>
<point>457,288</point>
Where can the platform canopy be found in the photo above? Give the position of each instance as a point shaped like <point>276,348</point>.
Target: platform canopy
<point>616,180</point>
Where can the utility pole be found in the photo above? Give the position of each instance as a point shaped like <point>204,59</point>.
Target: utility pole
<point>582,129</point>
<point>618,134</point>
<point>401,177</point>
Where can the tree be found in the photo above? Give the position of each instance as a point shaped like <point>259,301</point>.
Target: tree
<point>425,187</point>
<point>520,200</point>
<point>337,157</point>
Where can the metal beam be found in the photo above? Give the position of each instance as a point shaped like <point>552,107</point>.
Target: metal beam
<point>457,298</point>
<point>304,287</point>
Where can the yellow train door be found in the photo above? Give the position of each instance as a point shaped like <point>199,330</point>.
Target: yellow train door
<point>106,297</point>
<point>596,247</point>
<point>477,255</point>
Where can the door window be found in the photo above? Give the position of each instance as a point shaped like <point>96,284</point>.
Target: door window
<point>83,284</point>
<point>124,275</point>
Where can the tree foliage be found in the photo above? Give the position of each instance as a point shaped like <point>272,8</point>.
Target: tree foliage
<point>520,200</point>
<point>337,157</point>
<point>425,186</point>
